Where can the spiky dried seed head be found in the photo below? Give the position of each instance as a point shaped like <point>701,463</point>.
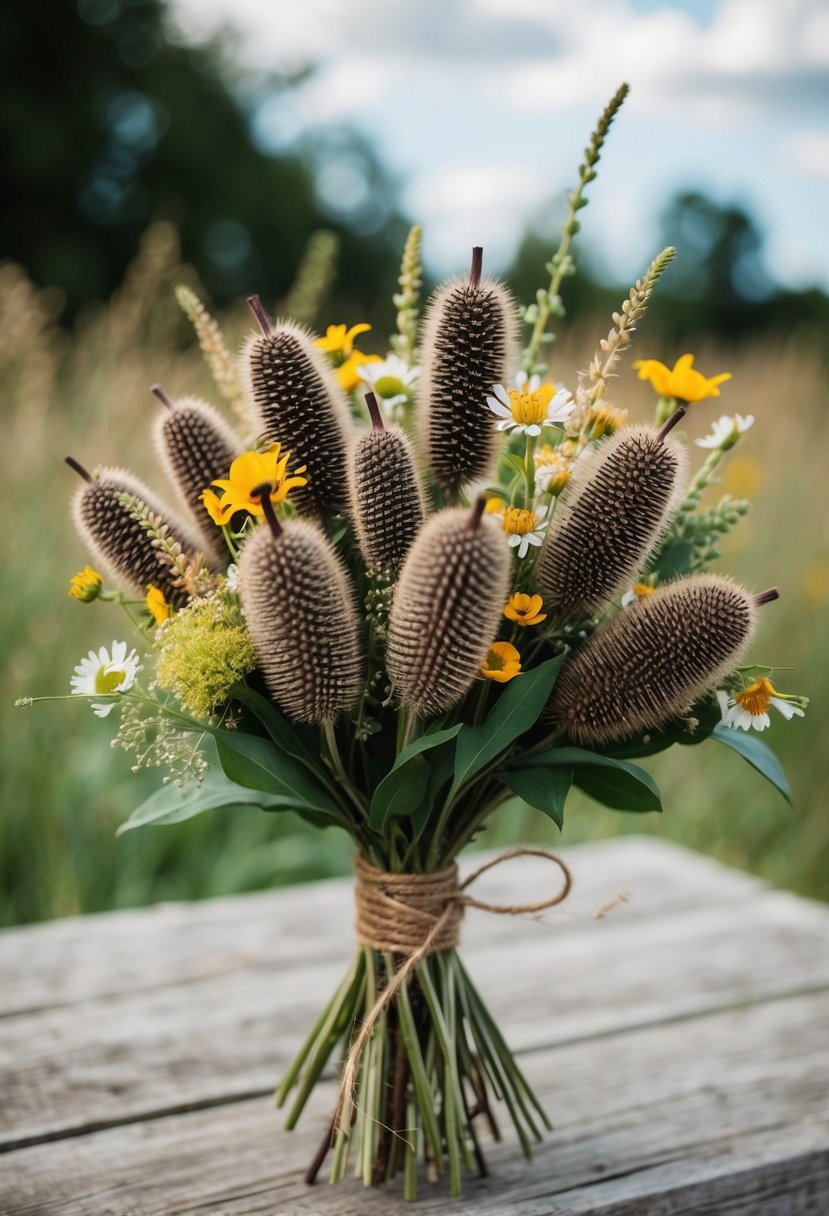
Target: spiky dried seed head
<point>618,501</point>
<point>299,608</point>
<point>196,447</point>
<point>298,403</point>
<point>468,346</point>
<point>386,499</point>
<point>447,609</point>
<point>117,539</point>
<point>654,661</point>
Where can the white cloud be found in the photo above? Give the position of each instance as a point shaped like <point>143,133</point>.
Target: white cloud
<point>808,151</point>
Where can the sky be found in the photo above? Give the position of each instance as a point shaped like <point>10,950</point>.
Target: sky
<point>481,109</point>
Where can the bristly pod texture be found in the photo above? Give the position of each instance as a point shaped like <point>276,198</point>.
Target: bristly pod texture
<point>468,345</point>
<point>387,506</point>
<point>618,501</point>
<point>297,402</point>
<point>654,661</point>
<point>300,612</point>
<point>447,609</point>
<point>117,539</point>
<point>196,447</point>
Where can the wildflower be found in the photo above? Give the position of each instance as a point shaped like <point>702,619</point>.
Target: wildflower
<point>726,431</point>
<point>605,420</point>
<point>104,674</point>
<point>523,528</point>
<point>748,710</point>
<point>85,585</point>
<point>391,379</point>
<point>205,649</point>
<point>501,663</point>
<point>524,609</point>
<point>157,605</point>
<point>338,344</point>
<point>639,591</point>
<point>529,406</point>
<point>552,469</point>
<point>683,381</point>
<point>247,473</point>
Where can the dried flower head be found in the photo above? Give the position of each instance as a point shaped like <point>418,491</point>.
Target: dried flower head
<point>654,661</point>
<point>447,609</point>
<point>468,345</point>
<point>614,507</point>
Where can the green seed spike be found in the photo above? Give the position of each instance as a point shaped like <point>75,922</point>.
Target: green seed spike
<point>654,661</point>
<point>447,608</point>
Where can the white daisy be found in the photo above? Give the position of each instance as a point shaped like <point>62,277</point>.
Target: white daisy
<point>530,406</point>
<point>748,710</point>
<point>391,379</point>
<point>726,431</point>
<point>639,591</point>
<point>523,528</point>
<point>232,578</point>
<point>104,674</point>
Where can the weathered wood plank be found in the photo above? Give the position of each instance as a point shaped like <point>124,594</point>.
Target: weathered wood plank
<point>224,1036</point>
<point>725,1114</point>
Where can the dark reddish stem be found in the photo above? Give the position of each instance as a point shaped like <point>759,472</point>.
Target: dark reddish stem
<point>158,391</point>
<point>73,464</point>
<point>263,493</point>
<point>477,265</point>
<point>374,412</point>
<point>767,597</point>
<point>677,416</point>
<point>321,1153</point>
<point>258,310</point>
<point>477,513</point>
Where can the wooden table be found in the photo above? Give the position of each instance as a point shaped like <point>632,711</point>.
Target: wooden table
<point>680,1042</point>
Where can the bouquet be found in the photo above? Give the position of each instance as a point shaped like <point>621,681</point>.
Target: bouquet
<point>397,593</point>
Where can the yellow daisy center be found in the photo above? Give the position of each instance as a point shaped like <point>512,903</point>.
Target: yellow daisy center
<point>642,590</point>
<point>756,698</point>
<point>518,521</point>
<point>528,408</point>
<point>107,681</point>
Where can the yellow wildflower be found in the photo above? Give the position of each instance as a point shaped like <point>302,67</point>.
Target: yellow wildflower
<point>501,663</point>
<point>524,609</point>
<point>682,382</point>
<point>338,344</point>
<point>348,373</point>
<point>85,585</point>
<point>156,604</point>
<point>605,420</point>
<point>247,473</point>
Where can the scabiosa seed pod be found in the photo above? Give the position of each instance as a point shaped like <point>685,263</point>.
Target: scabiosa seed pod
<point>300,612</point>
<point>118,540</point>
<point>196,447</point>
<point>386,499</point>
<point>447,608</point>
<point>655,660</point>
<point>617,503</point>
<point>468,346</point>
<point>298,403</point>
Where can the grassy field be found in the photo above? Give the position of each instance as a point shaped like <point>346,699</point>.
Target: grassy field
<point>64,791</point>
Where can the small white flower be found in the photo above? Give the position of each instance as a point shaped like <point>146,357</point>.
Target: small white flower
<point>748,710</point>
<point>523,528</point>
<point>104,674</point>
<point>639,591</point>
<point>232,577</point>
<point>391,379</point>
<point>726,431</point>
<point>530,406</point>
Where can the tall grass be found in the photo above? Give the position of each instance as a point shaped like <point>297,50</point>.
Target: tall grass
<point>64,791</point>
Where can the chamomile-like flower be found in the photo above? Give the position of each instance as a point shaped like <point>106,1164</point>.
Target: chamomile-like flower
<point>104,673</point>
<point>726,431</point>
<point>529,406</point>
<point>391,379</point>
<point>748,710</point>
<point>639,591</point>
<point>523,528</point>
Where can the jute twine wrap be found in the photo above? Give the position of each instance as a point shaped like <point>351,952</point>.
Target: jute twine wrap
<point>416,915</point>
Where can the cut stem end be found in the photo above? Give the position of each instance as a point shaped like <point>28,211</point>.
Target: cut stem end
<point>476,514</point>
<point>79,469</point>
<point>258,310</point>
<point>767,597</point>
<point>263,493</point>
<point>373,407</point>
<point>477,265</point>
<point>164,398</point>
<point>668,426</point>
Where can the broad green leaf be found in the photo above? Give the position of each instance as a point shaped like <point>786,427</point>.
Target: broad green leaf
<point>172,805</point>
<point>392,793</point>
<point>258,764</point>
<point>546,789</point>
<point>674,561</point>
<point>758,755</point>
<point>292,738</point>
<point>516,710</point>
<point>615,783</point>
<point>707,714</point>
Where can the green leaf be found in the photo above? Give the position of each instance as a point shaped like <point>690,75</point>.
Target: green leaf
<point>758,755</point>
<point>258,764</point>
<point>172,805</point>
<point>392,793</point>
<point>674,560</point>
<point>546,789</point>
<point>293,739</point>
<point>615,783</point>
<point>708,715</point>
<point>516,710</point>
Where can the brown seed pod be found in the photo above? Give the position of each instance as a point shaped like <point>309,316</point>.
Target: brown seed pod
<point>386,499</point>
<point>299,608</point>
<point>196,447</point>
<point>617,503</point>
<point>447,608</point>
<point>468,346</point>
<point>654,661</point>
<point>117,539</point>
<point>297,402</point>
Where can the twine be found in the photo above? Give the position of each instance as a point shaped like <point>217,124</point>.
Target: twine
<point>416,915</point>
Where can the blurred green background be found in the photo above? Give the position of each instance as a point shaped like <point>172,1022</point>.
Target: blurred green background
<point>136,171</point>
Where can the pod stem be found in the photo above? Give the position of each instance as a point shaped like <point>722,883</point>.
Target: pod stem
<point>258,310</point>
<point>79,469</point>
<point>476,514</point>
<point>477,265</point>
<point>263,493</point>
<point>767,597</point>
<point>164,398</point>
<point>677,416</point>
<point>374,412</point>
